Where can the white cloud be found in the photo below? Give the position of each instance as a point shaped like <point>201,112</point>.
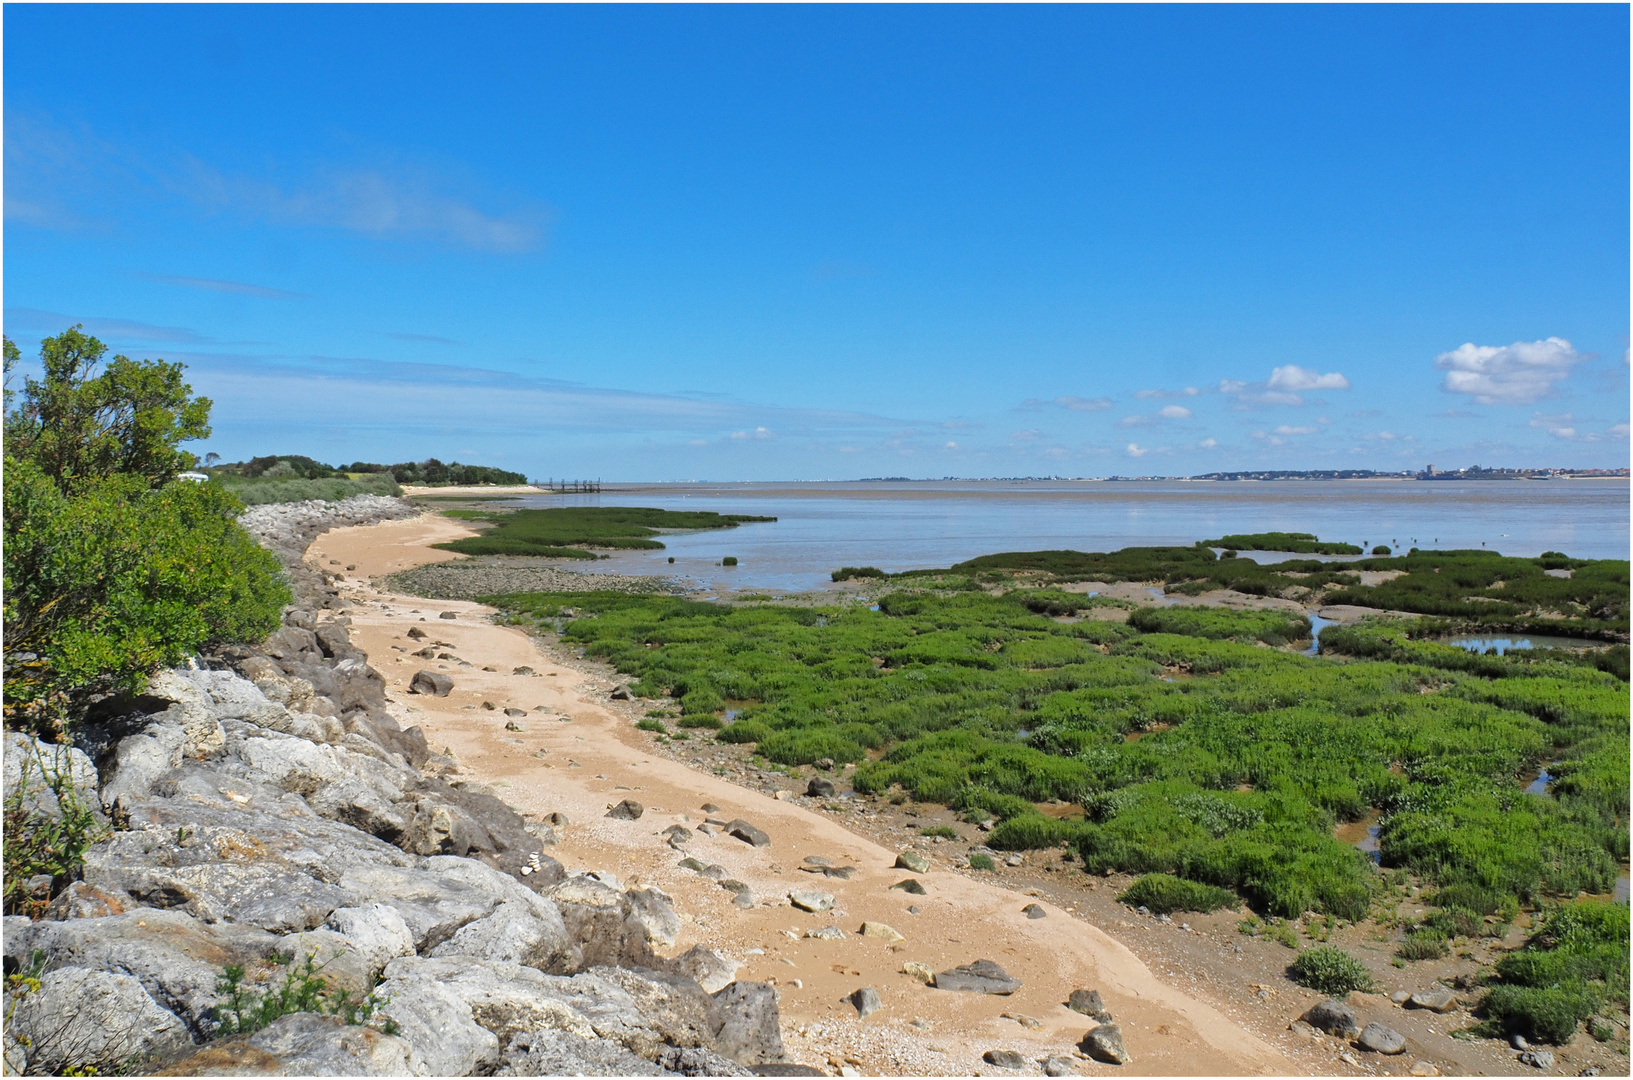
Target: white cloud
<point>757,433</point>
<point>1189,391</point>
<point>1288,429</point>
<point>1208,443</point>
<point>1291,378</point>
<point>950,445</point>
<point>1618,431</point>
<point>1516,374</point>
<point>1077,404</point>
<point>1028,435</point>
<point>1134,421</point>
<point>1135,450</point>
<point>1559,425</point>
<point>1174,412</point>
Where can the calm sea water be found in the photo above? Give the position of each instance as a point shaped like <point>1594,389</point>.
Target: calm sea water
<point>823,526</point>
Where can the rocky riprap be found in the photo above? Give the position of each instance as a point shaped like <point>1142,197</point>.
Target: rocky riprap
<point>488,575</point>
<point>263,805</point>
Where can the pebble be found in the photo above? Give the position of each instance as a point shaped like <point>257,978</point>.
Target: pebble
<point>1424,1068</point>
<point>1440,1001</point>
<point>1538,1059</point>
<point>912,860</point>
<point>1034,911</point>
<point>807,900</point>
<point>1105,1043</point>
<point>1087,1002</point>
<point>1004,1059</point>
<point>826,933</point>
<point>1030,1023</point>
<point>1381,1039</point>
<point>881,932</point>
<point>1401,997</point>
<point>866,1001</point>
<point>919,971</point>
<point>1059,1065</point>
<point>910,885</point>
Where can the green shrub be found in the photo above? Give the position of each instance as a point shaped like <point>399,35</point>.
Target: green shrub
<point>1270,627</point>
<point>947,832</point>
<point>1029,832</point>
<point>1164,894</point>
<point>39,844</point>
<point>729,560</point>
<point>1330,970</point>
<point>1381,549</point>
<point>107,582</point>
<point>980,861</point>
<point>1545,1014</point>
<point>744,731</point>
<point>240,1012</point>
<point>848,573</point>
<point>1282,541</point>
<point>650,724</point>
<point>702,720</point>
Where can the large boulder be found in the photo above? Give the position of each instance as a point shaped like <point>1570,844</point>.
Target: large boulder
<point>981,977</point>
<point>41,775</point>
<point>301,1044</point>
<point>1332,1016</point>
<point>749,1031</point>
<point>176,958</point>
<point>81,1018</point>
<point>431,682</point>
<point>553,1052</point>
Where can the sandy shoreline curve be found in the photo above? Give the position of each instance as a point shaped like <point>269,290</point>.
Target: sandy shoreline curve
<point>574,754</point>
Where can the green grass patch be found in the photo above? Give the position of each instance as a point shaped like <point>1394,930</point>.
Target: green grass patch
<point>1165,894</point>
<point>565,532</point>
<point>1299,543</point>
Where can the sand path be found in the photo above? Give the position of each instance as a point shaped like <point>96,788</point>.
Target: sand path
<point>580,755</point>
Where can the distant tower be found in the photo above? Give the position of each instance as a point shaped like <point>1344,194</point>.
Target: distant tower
<point>1430,470</point>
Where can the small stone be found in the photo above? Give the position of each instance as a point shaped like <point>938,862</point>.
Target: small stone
<point>749,834</point>
<point>866,1001</point>
<point>621,693</point>
<point>628,810</point>
<point>1538,1059</point>
<point>1333,1017</point>
<point>706,829</point>
<point>1401,997</point>
<point>914,909</point>
<point>1013,860</point>
<point>1440,1001</point>
<point>1105,1043</point>
<point>714,872</point>
<point>522,671</point>
<point>1350,1059</point>
<point>1518,1041</point>
<point>743,899</point>
<point>818,861</point>
<point>843,873</point>
<point>826,933</point>
<point>417,634</point>
<point>881,932</point>
<point>1086,1002</point>
<point>910,885</point>
<point>1299,1027</point>
<point>710,808</point>
<point>820,787</point>
<point>1381,1039</point>
<point>919,971</point>
<point>1004,1059</point>
<point>1424,1068</point>
<point>514,712</point>
<point>1033,911</point>
<point>678,834</point>
<point>912,860</point>
<point>1030,1023</point>
<point>1059,1065</point>
<point>489,706</point>
<point>808,900</point>
<point>557,818</point>
<point>449,615</point>
<point>511,725</point>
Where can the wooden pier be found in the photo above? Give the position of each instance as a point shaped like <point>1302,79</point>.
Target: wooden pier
<point>574,487</point>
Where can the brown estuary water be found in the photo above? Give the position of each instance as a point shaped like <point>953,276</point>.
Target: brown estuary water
<point>914,525</point>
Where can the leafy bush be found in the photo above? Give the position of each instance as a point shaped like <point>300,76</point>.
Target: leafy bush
<point>1381,549</point>
<point>849,573</point>
<point>1330,970</point>
<point>702,720</point>
<point>947,832</point>
<point>115,578</point>
<point>980,861</point>
<point>1164,895</point>
<point>1565,972</point>
<point>1544,1014</point>
<point>729,560</point>
<point>650,724</point>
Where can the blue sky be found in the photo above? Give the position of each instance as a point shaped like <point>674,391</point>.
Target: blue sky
<point>827,242</point>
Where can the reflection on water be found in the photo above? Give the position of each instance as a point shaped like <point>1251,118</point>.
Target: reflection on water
<point>1363,834</point>
<point>1317,624</point>
<point>903,526</point>
<point>1539,786</point>
<point>1504,645</point>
